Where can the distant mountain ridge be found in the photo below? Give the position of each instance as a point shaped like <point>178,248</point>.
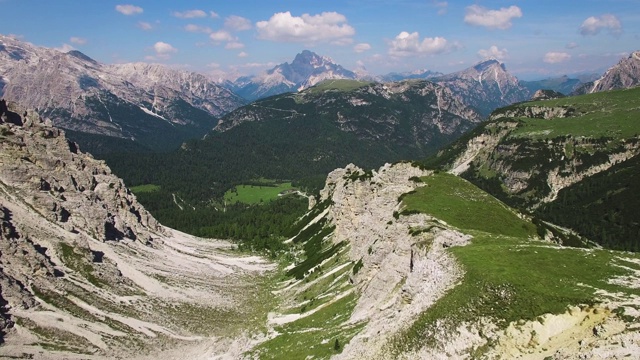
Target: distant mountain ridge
<point>152,105</point>
<point>625,74</point>
<point>485,86</point>
<point>306,70</point>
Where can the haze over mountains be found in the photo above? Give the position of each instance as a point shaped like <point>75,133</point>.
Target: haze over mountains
<point>134,107</point>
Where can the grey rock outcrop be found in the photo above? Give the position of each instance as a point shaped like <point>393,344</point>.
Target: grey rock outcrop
<point>624,75</point>
<point>69,187</point>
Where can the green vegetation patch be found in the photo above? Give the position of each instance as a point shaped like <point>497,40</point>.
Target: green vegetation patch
<point>463,205</point>
<point>146,188</point>
<point>315,335</point>
<point>611,114</point>
<point>256,194</point>
<point>509,279</point>
<point>338,84</point>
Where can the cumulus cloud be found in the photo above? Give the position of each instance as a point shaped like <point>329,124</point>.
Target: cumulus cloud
<point>234,45</point>
<point>189,14</point>
<point>78,40</point>
<point>213,15</point>
<point>164,50</point>
<point>221,35</point>
<point>324,27</point>
<point>593,25</point>
<point>198,29</point>
<point>493,53</point>
<point>362,47</point>
<point>242,54</point>
<point>556,57</point>
<point>145,25</point>
<point>237,23</point>
<point>129,9</point>
<point>494,19</point>
<point>406,44</point>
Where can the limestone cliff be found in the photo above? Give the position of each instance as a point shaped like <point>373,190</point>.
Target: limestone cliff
<point>86,272</point>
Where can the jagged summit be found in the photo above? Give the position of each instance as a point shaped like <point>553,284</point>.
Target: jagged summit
<point>486,85</point>
<point>306,69</point>
<point>623,75</point>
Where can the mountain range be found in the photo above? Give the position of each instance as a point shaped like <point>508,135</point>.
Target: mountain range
<point>152,105</point>
<point>396,262</point>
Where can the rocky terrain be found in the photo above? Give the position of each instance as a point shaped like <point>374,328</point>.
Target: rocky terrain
<point>306,69</point>
<point>86,272</point>
<point>485,86</point>
<point>624,75</point>
<point>155,106</point>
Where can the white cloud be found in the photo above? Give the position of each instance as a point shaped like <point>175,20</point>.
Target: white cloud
<point>495,19</point>
<point>593,25</point>
<point>556,57</point>
<point>442,7</point>
<point>189,14</point>
<point>65,48</point>
<point>129,9</point>
<point>571,45</point>
<point>324,27</point>
<point>406,44</point>
<point>145,25</point>
<point>221,35</point>
<point>493,53</point>
<point>198,29</point>
<point>78,40</point>
<point>234,45</point>
<point>243,54</point>
<point>164,50</point>
<point>237,23</point>
<point>362,47</point>
<point>213,15</point>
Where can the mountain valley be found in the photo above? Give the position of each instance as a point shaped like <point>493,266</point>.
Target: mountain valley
<point>416,215</point>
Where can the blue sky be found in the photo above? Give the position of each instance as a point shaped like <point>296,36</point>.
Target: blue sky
<point>534,38</point>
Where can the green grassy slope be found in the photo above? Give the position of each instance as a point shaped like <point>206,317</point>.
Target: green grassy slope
<point>509,275</point>
<point>528,149</point>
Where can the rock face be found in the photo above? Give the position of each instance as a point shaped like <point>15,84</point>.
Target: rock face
<point>402,274</point>
<point>151,104</point>
<point>69,187</point>
<point>485,86</point>
<point>624,75</point>
<point>306,70</point>
<point>87,272</point>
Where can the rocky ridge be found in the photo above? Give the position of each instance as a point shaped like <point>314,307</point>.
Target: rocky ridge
<point>125,101</point>
<point>86,272</point>
<point>624,75</point>
<point>485,86</point>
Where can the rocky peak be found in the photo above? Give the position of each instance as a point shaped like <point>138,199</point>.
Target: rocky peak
<point>623,75</point>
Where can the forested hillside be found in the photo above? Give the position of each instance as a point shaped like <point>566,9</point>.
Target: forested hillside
<point>572,161</point>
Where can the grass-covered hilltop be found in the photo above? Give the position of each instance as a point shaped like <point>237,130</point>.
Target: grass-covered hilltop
<point>572,161</point>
